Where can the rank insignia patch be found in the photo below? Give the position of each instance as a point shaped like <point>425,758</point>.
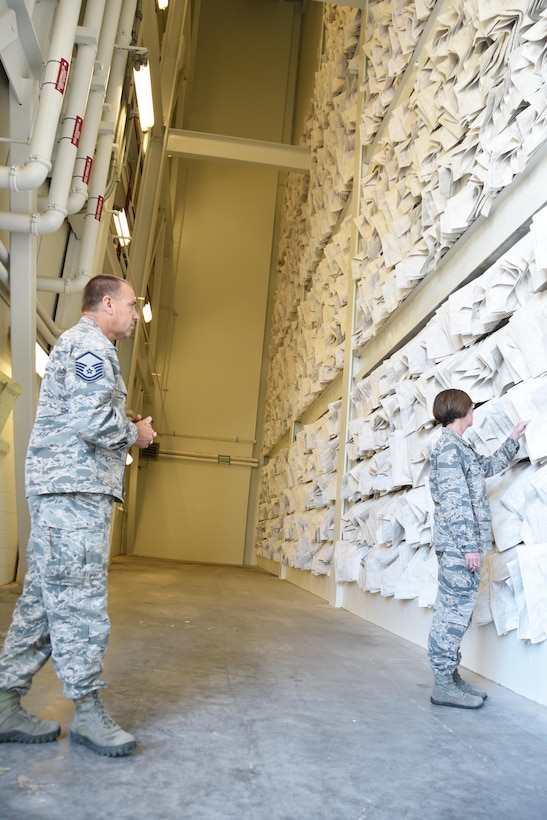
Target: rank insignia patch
<point>89,367</point>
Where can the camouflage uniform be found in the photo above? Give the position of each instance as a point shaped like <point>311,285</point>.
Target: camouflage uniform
<point>74,471</point>
<point>462,523</point>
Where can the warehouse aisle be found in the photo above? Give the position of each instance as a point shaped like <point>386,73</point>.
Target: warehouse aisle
<point>254,700</point>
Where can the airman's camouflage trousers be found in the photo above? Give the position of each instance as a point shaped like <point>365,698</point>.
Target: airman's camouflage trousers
<point>62,611</point>
<point>452,612</point>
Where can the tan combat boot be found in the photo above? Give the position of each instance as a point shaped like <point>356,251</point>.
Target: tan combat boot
<point>93,727</point>
<point>18,726</point>
<point>466,687</point>
<point>446,693</point>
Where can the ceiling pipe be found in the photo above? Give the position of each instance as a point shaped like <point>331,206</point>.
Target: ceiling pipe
<point>101,165</point>
<point>77,106</point>
<point>111,68</point>
<point>55,212</point>
<point>88,142</point>
<point>38,164</point>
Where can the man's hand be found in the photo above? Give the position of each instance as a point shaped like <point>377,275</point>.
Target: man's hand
<point>145,430</point>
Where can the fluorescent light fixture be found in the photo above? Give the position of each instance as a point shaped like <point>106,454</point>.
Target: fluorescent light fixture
<point>122,227</point>
<point>147,312</point>
<point>143,87</point>
<point>128,459</point>
<point>42,359</point>
<point>162,4</point>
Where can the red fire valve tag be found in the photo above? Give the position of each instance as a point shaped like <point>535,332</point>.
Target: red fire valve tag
<point>62,76</point>
<point>99,208</point>
<point>87,169</point>
<point>77,132</point>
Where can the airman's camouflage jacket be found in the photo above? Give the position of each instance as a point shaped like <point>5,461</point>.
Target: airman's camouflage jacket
<point>81,433</point>
<point>462,517</point>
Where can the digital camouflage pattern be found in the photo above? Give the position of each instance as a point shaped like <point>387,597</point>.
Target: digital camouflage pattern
<point>454,604</point>
<point>457,473</point>
<point>462,523</point>
<point>63,607</point>
<point>74,470</point>
<point>81,435</point>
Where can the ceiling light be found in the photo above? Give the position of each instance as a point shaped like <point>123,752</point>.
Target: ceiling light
<point>143,88</point>
<point>162,4</point>
<point>122,227</point>
<point>147,312</point>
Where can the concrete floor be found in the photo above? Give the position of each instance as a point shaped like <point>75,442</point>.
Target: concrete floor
<point>254,700</point>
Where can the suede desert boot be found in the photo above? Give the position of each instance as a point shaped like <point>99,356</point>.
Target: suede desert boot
<point>93,727</point>
<point>18,726</point>
<point>446,693</point>
<point>466,687</point>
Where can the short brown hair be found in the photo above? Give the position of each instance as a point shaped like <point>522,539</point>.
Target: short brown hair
<point>450,405</point>
<point>97,288</point>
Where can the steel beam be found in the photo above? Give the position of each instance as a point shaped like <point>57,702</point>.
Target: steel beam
<point>198,145</point>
